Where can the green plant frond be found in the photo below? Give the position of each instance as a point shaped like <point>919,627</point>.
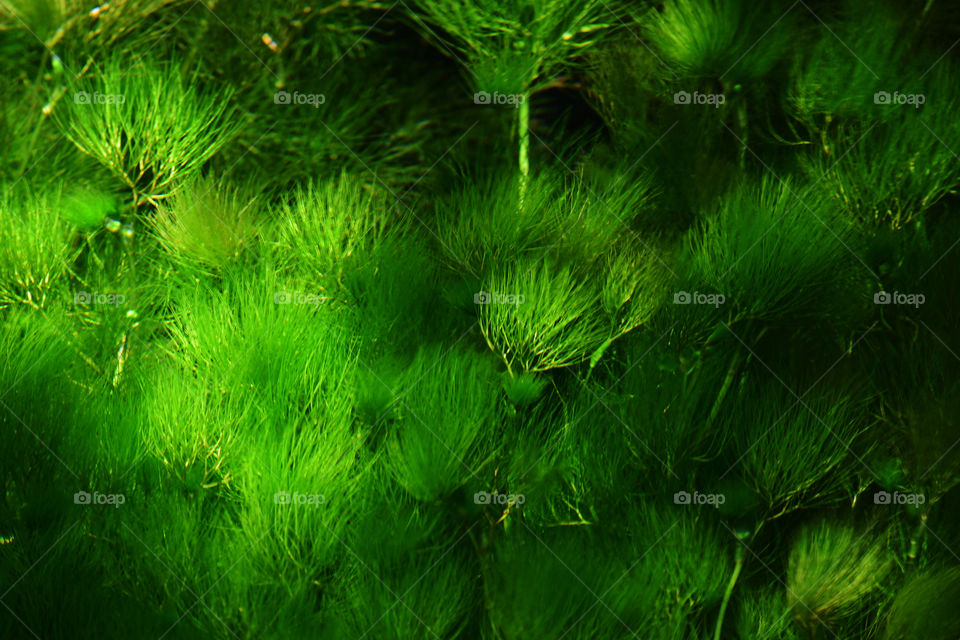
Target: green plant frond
<point>542,315</point>
<point>837,77</point>
<point>926,607</point>
<point>796,453</point>
<point>775,251</point>
<point>205,225</point>
<point>279,344</point>
<point>891,171</point>
<point>483,225</point>
<point>524,389</point>
<point>540,586</point>
<point>177,429</point>
<point>500,39</point>
<point>441,439</point>
<point>734,40</point>
<point>764,614</point>
<point>438,595</point>
<point>833,571</point>
<point>554,325</point>
<point>148,125</point>
<point>691,561</point>
<point>37,247</point>
<point>329,224</point>
<point>81,28</point>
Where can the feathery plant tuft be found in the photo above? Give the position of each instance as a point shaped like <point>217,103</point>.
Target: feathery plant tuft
<point>552,321</point>
<point>37,247</point>
<point>794,452</point>
<point>832,87</point>
<point>148,124</point>
<point>441,438</point>
<point>514,47</point>
<point>205,225</point>
<point>776,251</point>
<point>902,163</point>
<point>406,590</point>
<point>516,42</point>
<point>733,40</point>
<point>557,297</point>
<point>834,569</point>
<point>926,607</point>
<point>764,614</point>
<point>328,224</point>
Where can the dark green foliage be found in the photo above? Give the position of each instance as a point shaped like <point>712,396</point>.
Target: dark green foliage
<point>486,319</point>
<point>926,607</point>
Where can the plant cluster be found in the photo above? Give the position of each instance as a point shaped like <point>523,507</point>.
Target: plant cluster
<point>479,319</point>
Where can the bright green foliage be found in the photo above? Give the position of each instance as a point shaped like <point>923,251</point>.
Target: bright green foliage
<point>289,349</point>
<point>732,40</point>
<point>447,412</point>
<point>509,44</point>
<point>553,324</point>
<point>546,272</point>
<point>205,225</point>
<point>36,247</point>
<point>148,125</point>
<point>833,571</point>
<point>328,225</point>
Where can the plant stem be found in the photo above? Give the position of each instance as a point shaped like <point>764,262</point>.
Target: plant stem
<point>744,132</point>
<point>915,541</point>
<point>740,554</point>
<point>523,132</point>
<point>727,381</point>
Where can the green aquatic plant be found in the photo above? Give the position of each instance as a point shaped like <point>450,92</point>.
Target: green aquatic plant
<point>833,571</point>
<point>511,49</point>
<point>149,125</point>
<point>925,607</point>
<point>734,41</point>
<point>206,225</point>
